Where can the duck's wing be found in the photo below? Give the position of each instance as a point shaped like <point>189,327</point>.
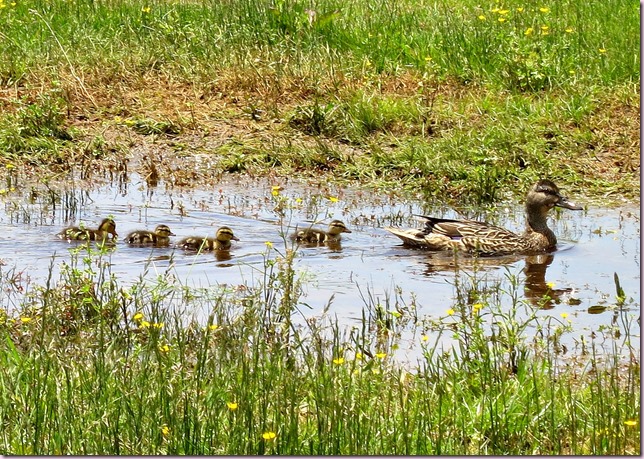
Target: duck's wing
<point>457,229</point>
<point>310,235</point>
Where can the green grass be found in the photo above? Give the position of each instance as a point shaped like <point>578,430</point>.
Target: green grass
<point>460,100</point>
<point>92,365</point>
<point>328,38</point>
<point>439,98</point>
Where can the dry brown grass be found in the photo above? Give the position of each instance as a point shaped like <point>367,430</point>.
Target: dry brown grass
<point>250,109</point>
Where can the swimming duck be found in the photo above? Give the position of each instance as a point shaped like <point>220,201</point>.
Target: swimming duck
<point>221,241</point>
<point>312,235</point>
<point>76,233</point>
<point>486,239</point>
<point>160,236</point>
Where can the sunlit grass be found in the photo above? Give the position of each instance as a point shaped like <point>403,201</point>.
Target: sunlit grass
<point>516,44</point>
<point>452,98</point>
<point>93,365</point>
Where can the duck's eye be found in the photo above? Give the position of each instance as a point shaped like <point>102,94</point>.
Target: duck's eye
<point>549,191</point>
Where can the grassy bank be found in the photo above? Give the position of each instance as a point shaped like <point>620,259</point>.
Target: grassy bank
<point>91,365</point>
<point>456,100</point>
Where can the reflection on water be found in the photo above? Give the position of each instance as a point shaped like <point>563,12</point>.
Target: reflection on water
<point>593,246</point>
<point>333,246</point>
<point>541,294</point>
<point>439,262</point>
<point>538,290</point>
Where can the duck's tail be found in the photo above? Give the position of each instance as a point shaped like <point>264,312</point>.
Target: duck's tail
<point>411,237</point>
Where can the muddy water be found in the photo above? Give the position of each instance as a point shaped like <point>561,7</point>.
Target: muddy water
<point>369,262</point>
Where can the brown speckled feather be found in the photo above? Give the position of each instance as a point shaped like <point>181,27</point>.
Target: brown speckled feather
<point>486,239</point>
<point>221,241</point>
<point>315,236</point>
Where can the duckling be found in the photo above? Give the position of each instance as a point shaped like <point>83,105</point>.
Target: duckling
<point>486,239</point>
<point>312,235</point>
<point>159,237</point>
<point>221,241</point>
<point>76,233</point>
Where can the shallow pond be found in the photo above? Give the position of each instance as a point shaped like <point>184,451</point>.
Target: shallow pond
<point>370,265</point>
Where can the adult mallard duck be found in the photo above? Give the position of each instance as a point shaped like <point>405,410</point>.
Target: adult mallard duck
<point>485,239</point>
<point>76,233</point>
<point>312,235</point>
<point>221,241</point>
<point>159,237</point>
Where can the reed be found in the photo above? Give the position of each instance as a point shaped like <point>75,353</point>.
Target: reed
<point>91,364</point>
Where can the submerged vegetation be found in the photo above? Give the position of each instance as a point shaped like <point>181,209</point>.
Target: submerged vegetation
<point>92,365</point>
<point>460,100</point>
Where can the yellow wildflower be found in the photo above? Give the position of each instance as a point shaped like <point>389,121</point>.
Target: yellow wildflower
<point>630,422</point>
<point>145,9</point>
<point>381,355</point>
<point>428,58</point>
<point>158,325</point>
<point>504,11</point>
<point>477,306</point>
<point>232,406</point>
<point>529,31</point>
<point>269,435</point>
<point>564,314</point>
<point>550,284</point>
<point>164,348</point>
<point>520,10</point>
<point>450,312</point>
<point>502,19</point>
<point>569,30</point>
<point>481,17</point>
<point>165,430</point>
<point>26,320</point>
<point>10,166</point>
<point>145,324</point>
<point>602,50</point>
<point>339,361</point>
<point>544,10</point>
<point>333,199</point>
<point>138,316</point>
<point>268,244</point>
<point>213,327</point>
<point>424,338</point>
<point>358,355</point>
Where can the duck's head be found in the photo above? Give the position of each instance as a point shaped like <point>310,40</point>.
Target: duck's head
<point>336,227</point>
<point>163,231</point>
<point>108,226</point>
<point>544,195</point>
<point>226,234</point>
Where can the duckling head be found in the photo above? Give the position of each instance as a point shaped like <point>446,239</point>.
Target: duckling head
<point>163,231</point>
<point>108,226</point>
<point>336,227</point>
<point>225,234</point>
